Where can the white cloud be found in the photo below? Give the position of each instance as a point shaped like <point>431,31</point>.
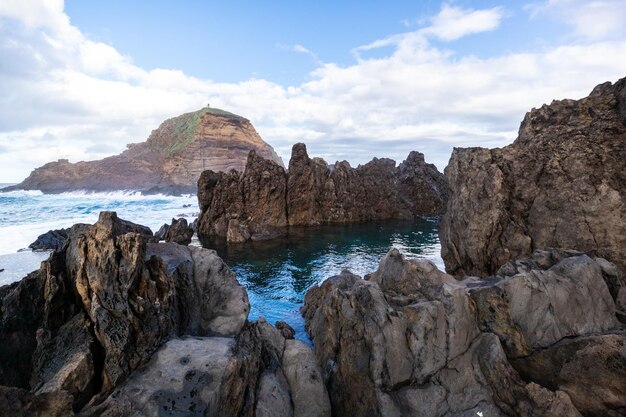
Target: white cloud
<point>66,96</point>
<point>454,22</point>
<point>591,19</point>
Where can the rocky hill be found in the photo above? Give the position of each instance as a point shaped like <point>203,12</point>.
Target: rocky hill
<point>562,183</point>
<point>170,161</point>
<point>260,201</point>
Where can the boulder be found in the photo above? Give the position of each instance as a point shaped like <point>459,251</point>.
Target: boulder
<point>179,231</point>
<point>411,340</point>
<point>560,184</point>
<point>259,202</point>
<point>55,239</point>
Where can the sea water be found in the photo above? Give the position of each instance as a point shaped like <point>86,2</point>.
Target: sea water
<point>276,273</point>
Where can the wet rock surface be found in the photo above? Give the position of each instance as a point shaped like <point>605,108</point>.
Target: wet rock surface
<point>411,340</point>
<point>259,202</point>
<point>562,183</point>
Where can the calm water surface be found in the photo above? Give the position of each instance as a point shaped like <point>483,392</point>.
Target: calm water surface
<point>277,273</point>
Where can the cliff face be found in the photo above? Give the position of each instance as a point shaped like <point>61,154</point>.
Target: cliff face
<point>170,161</point>
<point>562,183</point>
<point>260,201</point>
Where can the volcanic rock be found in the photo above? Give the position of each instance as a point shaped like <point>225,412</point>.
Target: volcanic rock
<point>259,202</point>
<point>55,239</point>
<point>250,205</point>
<point>98,308</point>
<point>562,183</point>
<point>170,161</point>
<point>179,231</point>
<point>256,373</point>
<point>411,340</point>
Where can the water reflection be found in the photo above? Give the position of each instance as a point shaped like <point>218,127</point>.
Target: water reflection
<point>278,272</point>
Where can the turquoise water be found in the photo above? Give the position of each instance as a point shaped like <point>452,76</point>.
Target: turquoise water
<point>277,273</point>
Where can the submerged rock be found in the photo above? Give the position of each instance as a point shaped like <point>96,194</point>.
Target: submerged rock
<point>560,184</point>
<point>411,340</point>
<point>259,202</point>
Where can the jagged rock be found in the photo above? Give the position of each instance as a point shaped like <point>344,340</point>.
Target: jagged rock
<point>285,329</point>
<point>250,205</point>
<point>162,232</point>
<point>169,161</point>
<point>16,402</point>
<point>591,369</point>
<point>411,340</point>
<point>55,239</point>
<point>377,190</point>
<point>178,232</point>
<point>560,184</point>
<point>257,373</point>
<point>98,308</point>
<point>259,202</point>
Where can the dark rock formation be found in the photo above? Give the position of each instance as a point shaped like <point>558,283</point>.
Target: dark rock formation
<point>411,340</point>
<point>259,202</point>
<point>170,161</point>
<point>250,205</point>
<point>55,239</point>
<point>178,232</point>
<point>98,308</point>
<point>562,183</point>
<point>16,402</point>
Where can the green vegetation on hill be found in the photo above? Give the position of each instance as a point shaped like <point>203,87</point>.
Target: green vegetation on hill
<point>184,127</point>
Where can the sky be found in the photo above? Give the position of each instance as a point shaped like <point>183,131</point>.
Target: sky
<point>353,79</point>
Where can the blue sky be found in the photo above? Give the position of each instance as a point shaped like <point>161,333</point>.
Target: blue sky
<point>353,80</point>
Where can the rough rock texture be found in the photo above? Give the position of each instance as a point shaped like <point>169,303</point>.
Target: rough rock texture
<point>170,161</point>
<point>16,402</point>
<point>411,340</point>
<point>257,203</point>
<point>250,205</point>
<point>179,231</point>
<point>98,308</point>
<point>55,239</point>
<point>257,373</point>
<point>562,183</point>
<point>591,369</point>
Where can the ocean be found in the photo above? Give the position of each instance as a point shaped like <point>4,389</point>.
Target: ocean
<point>276,273</point>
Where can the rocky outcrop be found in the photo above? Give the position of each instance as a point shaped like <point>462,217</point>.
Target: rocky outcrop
<point>98,308</point>
<point>170,161</point>
<point>54,239</point>
<point>179,231</point>
<point>116,324</point>
<point>562,183</point>
<point>260,201</point>
<point>411,340</point>
<point>257,373</point>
